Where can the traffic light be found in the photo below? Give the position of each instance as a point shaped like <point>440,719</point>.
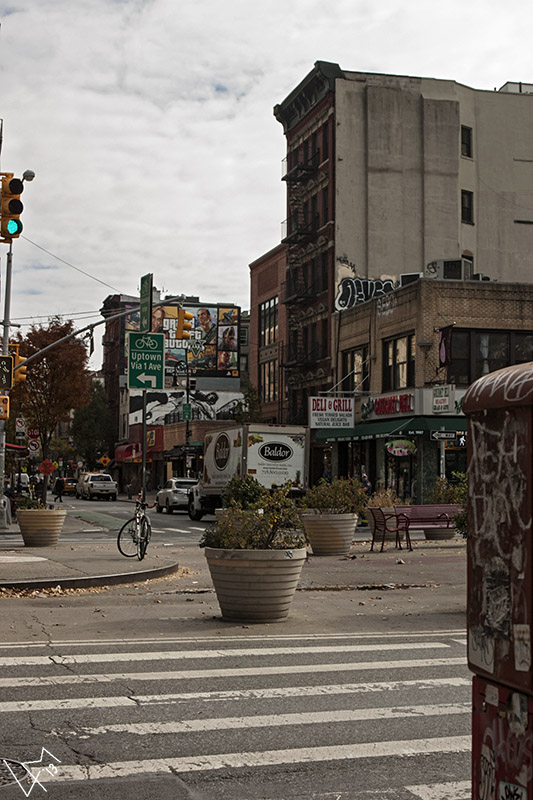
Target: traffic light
<point>184,326</point>
<point>11,207</point>
<point>4,406</point>
<point>20,369</point>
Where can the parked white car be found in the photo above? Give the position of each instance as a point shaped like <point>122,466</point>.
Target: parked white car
<point>96,484</point>
<point>174,494</point>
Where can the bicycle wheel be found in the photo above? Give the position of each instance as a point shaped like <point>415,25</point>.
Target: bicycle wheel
<point>127,538</point>
<point>144,538</point>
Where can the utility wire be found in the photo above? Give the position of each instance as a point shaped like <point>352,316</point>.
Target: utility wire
<point>88,274</point>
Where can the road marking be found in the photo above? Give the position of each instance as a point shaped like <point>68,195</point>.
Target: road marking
<point>197,529</point>
<point>396,749</point>
<point>91,658</point>
<point>275,720</point>
<point>231,694</point>
<point>20,559</point>
<point>459,790</point>
<point>196,674</point>
<point>266,637</point>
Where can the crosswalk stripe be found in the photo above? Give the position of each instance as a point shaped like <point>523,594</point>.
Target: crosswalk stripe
<point>198,763</point>
<point>278,720</point>
<point>254,638</point>
<point>90,658</point>
<point>454,790</point>
<point>194,674</point>
<point>231,694</point>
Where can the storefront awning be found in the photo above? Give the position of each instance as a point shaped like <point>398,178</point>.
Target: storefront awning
<point>382,429</point>
<point>124,452</point>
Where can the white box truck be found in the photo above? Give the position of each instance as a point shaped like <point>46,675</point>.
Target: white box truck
<point>272,454</point>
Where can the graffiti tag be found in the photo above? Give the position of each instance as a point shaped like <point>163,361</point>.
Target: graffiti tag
<point>352,291</point>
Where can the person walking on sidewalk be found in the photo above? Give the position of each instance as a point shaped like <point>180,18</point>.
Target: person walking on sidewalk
<point>59,487</point>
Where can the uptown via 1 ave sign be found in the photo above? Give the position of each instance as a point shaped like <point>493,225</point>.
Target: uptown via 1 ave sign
<point>146,360</point>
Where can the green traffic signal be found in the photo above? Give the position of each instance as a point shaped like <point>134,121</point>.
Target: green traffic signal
<point>11,207</point>
<point>14,226</point>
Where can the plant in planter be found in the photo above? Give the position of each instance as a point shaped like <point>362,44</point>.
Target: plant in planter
<point>40,525</point>
<point>329,514</point>
<point>244,492</point>
<point>255,556</point>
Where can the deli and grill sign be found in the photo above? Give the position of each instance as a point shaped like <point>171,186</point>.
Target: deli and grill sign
<point>331,412</point>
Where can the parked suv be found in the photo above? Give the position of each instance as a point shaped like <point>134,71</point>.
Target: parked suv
<point>174,494</point>
<point>96,484</point>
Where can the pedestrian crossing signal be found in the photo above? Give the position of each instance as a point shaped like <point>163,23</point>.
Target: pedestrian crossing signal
<point>184,326</point>
<point>11,207</point>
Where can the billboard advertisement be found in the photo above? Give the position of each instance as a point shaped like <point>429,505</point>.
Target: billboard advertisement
<point>169,406</point>
<point>213,347</point>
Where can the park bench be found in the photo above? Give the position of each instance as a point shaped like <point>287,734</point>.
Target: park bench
<point>437,520</point>
<point>387,520</point>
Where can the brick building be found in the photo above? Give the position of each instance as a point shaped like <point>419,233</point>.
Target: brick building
<point>408,357</point>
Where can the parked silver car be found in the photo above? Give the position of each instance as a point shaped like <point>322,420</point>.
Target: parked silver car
<point>174,494</point>
<point>96,484</point>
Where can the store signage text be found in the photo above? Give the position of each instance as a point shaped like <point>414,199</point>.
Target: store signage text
<point>394,404</point>
<point>331,412</point>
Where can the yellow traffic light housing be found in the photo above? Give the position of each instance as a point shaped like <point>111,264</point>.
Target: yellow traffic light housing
<point>4,406</point>
<point>20,369</point>
<point>11,207</point>
<point>184,326</point>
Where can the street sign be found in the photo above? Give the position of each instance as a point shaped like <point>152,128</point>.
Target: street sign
<point>104,460</point>
<point>145,323</point>
<point>33,433</point>
<point>6,372</point>
<point>437,435</point>
<point>20,425</point>
<point>186,411</point>
<point>146,360</point>
<point>34,447</point>
<point>46,467</point>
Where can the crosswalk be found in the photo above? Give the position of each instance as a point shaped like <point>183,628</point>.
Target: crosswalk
<point>328,717</point>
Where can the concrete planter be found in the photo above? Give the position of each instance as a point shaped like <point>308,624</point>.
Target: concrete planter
<point>439,534</point>
<point>330,534</point>
<point>40,527</point>
<point>255,585</point>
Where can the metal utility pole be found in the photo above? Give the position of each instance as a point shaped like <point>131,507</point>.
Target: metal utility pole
<point>5,352</point>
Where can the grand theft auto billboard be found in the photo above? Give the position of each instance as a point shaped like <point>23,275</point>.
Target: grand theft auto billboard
<point>213,347</point>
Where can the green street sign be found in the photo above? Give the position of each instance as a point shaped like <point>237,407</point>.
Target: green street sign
<point>186,411</point>
<point>145,323</point>
<point>146,360</point>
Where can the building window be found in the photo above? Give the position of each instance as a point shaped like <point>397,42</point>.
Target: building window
<point>325,141</point>
<point>268,388</point>
<point>325,206</point>
<point>399,363</point>
<point>268,321</point>
<point>476,353</point>
<point>355,372</point>
<point>466,141</point>
<point>243,335</point>
<point>467,207</point>
<point>315,149</point>
<point>324,271</point>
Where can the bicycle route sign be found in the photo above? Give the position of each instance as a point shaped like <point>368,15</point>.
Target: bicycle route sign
<point>146,360</point>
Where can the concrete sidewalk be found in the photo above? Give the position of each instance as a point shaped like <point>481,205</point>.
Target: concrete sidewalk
<point>99,563</point>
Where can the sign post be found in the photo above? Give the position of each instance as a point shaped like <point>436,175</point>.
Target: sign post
<point>145,322</point>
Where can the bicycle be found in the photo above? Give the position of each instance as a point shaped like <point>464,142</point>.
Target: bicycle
<point>148,342</point>
<point>135,534</point>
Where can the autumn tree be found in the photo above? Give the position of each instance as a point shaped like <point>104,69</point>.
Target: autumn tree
<point>92,427</point>
<point>57,382</point>
<point>249,408</point>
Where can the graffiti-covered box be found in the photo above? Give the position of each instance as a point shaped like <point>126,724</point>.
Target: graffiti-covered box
<point>499,408</point>
<point>502,742</point>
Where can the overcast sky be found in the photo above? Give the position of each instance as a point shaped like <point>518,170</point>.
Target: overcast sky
<point>149,126</point>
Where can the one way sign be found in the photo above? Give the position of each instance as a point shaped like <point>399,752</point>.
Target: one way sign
<point>437,435</point>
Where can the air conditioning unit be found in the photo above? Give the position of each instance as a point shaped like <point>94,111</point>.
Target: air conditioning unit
<point>410,277</point>
<point>478,276</point>
<point>452,269</point>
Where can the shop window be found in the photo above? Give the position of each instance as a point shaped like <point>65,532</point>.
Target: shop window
<point>355,372</point>
<point>476,353</point>
<point>399,363</point>
<point>268,321</point>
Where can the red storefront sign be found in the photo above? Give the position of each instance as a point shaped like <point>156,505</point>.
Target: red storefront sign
<point>394,404</point>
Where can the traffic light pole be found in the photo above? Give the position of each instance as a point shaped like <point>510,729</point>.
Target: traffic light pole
<point>5,352</point>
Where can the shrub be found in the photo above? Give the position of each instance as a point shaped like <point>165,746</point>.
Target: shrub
<point>24,503</point>
<point>386,498</point>
<point>270,524</point>
<point>243,492</point>
<point>457,493</point>
<point>341,496</point>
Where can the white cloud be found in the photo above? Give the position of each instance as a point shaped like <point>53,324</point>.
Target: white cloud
<point>149,124</point>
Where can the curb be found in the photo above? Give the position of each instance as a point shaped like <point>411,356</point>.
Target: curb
<point>95,580</point>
